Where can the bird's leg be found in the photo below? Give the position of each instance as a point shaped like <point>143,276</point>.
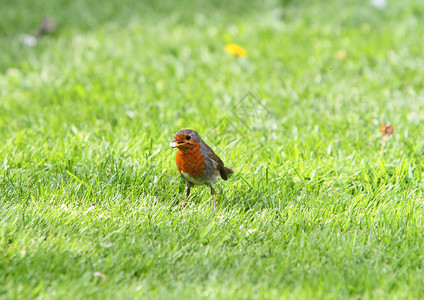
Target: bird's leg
<point>187,194</point>
<point>213,197</point>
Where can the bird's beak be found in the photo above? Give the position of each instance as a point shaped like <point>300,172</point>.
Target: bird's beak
<point>175,143</point>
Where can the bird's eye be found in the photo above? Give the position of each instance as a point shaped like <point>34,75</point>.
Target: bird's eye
<point>188,137</point>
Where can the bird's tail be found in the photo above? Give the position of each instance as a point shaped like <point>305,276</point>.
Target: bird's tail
<point>229,171</point>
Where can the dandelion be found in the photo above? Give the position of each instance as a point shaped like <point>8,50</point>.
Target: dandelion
<point>341,54</point>
<point>236,50</point>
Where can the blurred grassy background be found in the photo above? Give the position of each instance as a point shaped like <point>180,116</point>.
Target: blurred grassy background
<point>88,182</point>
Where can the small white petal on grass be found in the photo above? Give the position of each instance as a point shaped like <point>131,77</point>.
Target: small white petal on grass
<point>379,3</point>
<point>99,274</point>
<point>28,40</point>
<point>91,208</point>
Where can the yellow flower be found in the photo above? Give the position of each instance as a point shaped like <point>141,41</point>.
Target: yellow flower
<point>235,49</point>
<point>341,54</point>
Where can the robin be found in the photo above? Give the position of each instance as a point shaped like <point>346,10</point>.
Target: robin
<point>197,163</point>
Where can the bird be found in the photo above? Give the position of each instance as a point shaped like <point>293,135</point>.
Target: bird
<point>197,163</point>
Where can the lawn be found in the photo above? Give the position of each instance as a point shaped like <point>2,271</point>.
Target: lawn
<point>90,195</point>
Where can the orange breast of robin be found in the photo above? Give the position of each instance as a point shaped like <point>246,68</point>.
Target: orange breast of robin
<point>191,161</point>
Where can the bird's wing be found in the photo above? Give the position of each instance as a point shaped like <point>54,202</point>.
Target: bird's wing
<point>217,162</point>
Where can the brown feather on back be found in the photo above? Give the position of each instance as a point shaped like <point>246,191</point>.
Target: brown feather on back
<point>223,171</point>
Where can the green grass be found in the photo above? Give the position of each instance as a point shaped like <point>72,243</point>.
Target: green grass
<point>88,182</point>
